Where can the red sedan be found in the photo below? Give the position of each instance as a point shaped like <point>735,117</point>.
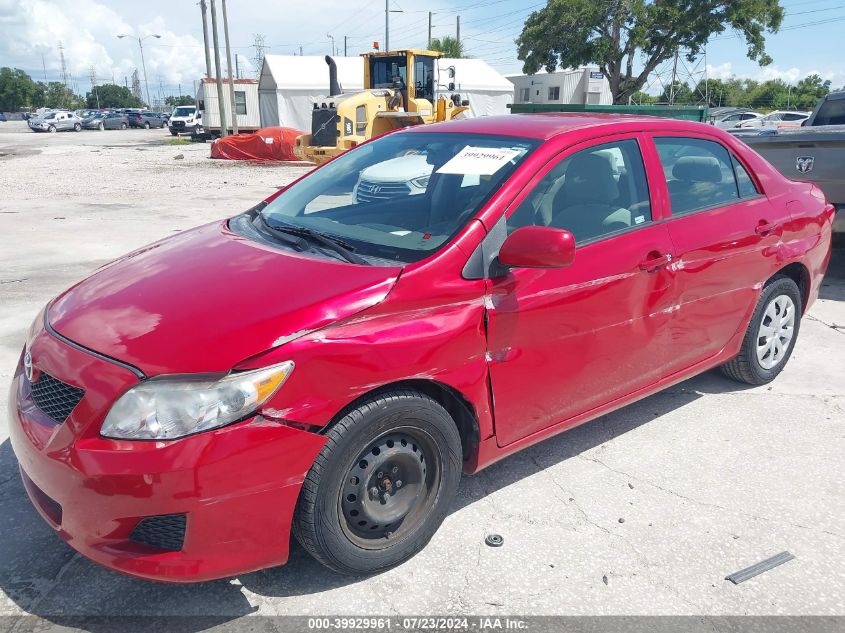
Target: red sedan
<point>328,363</point>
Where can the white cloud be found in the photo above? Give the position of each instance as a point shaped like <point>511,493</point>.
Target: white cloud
<point>87,29</point>
<point>722,71</point>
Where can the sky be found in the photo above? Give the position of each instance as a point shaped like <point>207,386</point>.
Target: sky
<point>32,30</point>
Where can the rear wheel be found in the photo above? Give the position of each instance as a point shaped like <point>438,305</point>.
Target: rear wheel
<point>147,125</point>
<point>123,126</point>
<point>77,127</point>
<point>771,334</point>
<point>174,134</point>
<point>382,484</point>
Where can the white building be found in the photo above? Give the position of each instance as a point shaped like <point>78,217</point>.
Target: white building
<point>246,104</point>
<point>584,86</point>
<point>290,84</point>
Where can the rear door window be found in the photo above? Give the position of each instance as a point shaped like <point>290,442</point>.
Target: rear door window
<point>699,173</point>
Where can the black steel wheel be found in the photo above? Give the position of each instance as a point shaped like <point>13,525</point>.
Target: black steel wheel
<point>382,484</point>
<point>389,487</point>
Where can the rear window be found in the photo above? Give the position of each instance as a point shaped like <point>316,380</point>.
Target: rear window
<point>832,112</point>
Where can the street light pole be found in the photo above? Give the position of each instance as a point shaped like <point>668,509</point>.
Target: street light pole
<point>331,37</point>
<point>143,63</point>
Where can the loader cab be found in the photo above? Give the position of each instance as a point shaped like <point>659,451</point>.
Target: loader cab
<point>409,72</point>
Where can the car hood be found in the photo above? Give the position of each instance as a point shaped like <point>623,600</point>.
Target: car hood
<point>400,169</point>
<point>207,299</point>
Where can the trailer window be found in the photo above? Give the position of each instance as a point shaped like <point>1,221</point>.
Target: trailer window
<point>240,102</point>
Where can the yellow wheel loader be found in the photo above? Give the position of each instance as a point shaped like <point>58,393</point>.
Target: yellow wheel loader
<point>399,91</point>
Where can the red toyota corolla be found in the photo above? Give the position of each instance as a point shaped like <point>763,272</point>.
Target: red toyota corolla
<point>328,362</point>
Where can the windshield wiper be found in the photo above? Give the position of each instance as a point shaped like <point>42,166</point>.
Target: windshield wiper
<point>291,240</point>
<point>334,244</point>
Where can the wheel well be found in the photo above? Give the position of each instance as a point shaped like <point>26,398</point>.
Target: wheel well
<point>456,405</point>
<point>801,276</point>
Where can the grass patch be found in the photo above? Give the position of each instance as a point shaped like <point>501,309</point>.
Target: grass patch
<point>178,140</point>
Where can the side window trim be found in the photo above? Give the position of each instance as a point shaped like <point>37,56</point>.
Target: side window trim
<point>642,141</point>
<point>671,213</point>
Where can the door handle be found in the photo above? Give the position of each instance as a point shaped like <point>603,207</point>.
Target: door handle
<point>655,260</point>
<point>764,227</point>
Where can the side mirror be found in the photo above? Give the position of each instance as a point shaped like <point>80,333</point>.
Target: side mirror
<point>538,247</point>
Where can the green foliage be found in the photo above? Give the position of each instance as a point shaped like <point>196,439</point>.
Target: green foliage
<point>57,95</point>
<point>175,102</point>
<point>16,90</point>
<point>113,96</point>
<point>448,45</point>
<point>774,94</point>
<point>623,35</point>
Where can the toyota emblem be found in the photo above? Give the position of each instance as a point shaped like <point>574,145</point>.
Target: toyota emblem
<point>27,366</point>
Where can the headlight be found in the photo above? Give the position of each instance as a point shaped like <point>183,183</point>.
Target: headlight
<point>172,407</point>
<point>420,183</point>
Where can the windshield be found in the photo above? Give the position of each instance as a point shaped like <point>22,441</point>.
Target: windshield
<point>401,197</point>
<point>51,115</point>
<point>183,112</point>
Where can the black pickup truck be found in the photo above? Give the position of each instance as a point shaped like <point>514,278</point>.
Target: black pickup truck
<point>814,152</point>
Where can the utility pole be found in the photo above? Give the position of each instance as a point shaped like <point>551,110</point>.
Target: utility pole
<point>94,85</point>
<point>458,32</point>
<point>44,66</point>
<point>204,9</point>
<point>674,79</point>
<point>237,68</point>
<point>428,45</point>
<point>229,66</point>
<point>224,131</point>
<point>387,25</point>
<point>344,46</point>
<point>300,51</point>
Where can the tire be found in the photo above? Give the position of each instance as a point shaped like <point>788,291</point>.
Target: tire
<point>355,514</point>
<point>174,134</point>
<point>51,129</point>
<point>123,126</point>
<point>77,127</point>
<point>761,358</point>
<point>101,127</point>
<point>147,125</point>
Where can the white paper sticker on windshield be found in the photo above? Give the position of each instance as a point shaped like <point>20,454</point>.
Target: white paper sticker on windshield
<point>479,161</point>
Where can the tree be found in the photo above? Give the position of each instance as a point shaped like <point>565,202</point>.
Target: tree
<point>16,89</point>
<point>175,102</point>
<point>808,91</point>
<point>57,95</point>
<point>629,39</point>
<point>448,45</point>
<point>113,96</point>
<point>683,95</point>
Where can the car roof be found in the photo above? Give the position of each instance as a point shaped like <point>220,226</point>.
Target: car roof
<point>547,125</point>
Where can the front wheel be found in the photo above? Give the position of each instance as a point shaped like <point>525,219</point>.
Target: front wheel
<point>101,127</point>
<point>147,125</point>
<point>123,126</point>
<point>51,129</point>
<point>77,127</point>
<point>382,484</point>
<point>771,334</point>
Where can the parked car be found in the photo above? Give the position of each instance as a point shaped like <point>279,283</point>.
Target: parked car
<point>146,120</point>
<point>814,152</point>
<point>733,119</point>
<point>106,121</point>
<point>2,117</point>
<point>185,120</point>
<point>56,121</point>
<point>777,120</point>
<point>556,268</point>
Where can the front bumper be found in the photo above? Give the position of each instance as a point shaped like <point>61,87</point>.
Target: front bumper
<point>184,129</point>
<point>236,486</point>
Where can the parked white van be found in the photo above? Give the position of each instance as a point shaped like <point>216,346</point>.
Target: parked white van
<point>185,120</point>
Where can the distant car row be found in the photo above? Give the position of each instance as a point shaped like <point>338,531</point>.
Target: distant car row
<point>63,120</point>
<point>740,119</point>
<point>183,120</point>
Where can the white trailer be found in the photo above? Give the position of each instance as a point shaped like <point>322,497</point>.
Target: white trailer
<point>246,106</point>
